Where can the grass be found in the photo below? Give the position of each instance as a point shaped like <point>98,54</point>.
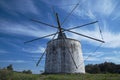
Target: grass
<point>9,75</point>
<point>83,77</point>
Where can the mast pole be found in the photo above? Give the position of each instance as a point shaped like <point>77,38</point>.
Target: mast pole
<point>59,26</point>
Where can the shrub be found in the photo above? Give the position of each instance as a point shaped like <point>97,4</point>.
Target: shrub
<point>27,72</point>
<point>5,75</point>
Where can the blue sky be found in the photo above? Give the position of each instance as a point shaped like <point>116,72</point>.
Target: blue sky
<point>16,28</point>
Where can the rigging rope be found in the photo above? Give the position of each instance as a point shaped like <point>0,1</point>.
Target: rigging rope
<point>70,13</point>
<point>31,57</point>
<point>93,51</point>
<point>44,52</point>
<point>101,32</point>
<point>70,53</point>
<point>79,66</point>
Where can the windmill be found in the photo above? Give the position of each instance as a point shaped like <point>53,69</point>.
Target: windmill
<point>63,55</point>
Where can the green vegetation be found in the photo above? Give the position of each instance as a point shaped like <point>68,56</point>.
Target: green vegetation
<point>10,75</point>
<point>106,67</point>
<point>9,67</point>
<point>27,72</point>
<point>105,71</point>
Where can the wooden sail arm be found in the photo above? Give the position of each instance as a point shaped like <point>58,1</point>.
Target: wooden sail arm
<point>40,38</point>
<point>59,26</point>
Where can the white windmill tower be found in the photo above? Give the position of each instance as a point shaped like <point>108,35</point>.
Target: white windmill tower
<point>63,55</point>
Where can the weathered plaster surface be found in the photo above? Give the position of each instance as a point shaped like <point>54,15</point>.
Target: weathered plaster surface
<point>59,60</point>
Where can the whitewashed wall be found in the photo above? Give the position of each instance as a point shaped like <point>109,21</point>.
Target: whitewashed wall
<point>59,60</point>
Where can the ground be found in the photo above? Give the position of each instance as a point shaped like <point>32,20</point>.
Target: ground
<point>10,75</point>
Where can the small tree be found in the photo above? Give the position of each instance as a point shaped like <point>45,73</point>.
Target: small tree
<point>23,71</point>
<point>41,71</point>
<point>10,67</point>
<point>27,72</point>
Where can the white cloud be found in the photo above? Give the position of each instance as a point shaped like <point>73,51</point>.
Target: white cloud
<point>35,50</point>
<point>23,29</point>
<point>89,9</point>
<point>94,54</point>
<point>86,58</point>
<point>110,56</point>
<point>112,39</point>
<point>3,51</point>
<point>90,14</point>
<point>14,61</point>
<point>23,6</point>
<point>101,7</point>
<point>117,16</point>
<point>60,3</point>
<point>105,7</point>
<point>102,59</point>
<point>19,29</point>
<point>116,52</point>
<point>112,59</point>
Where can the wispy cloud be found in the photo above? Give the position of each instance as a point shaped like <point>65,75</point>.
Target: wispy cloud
<point>94,59</point>
<point>107,8</point>
<point>103,59</point>
<point>86,9</point>
<point>60,3</point>
<point>96,54</point>
<point>23,6</point>
<point>3,51</point>
<point>15,61</point>
<point>34,50</point>
<point>112,39</point>
<point>26,29</point>
<point>112,59</point>
<point>110,56</point>
<point>116,52</point>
